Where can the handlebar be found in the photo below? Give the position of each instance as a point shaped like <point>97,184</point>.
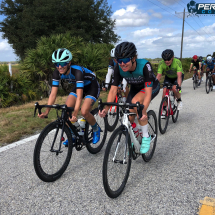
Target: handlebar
<point>137,105</point>
<point>169,85</point>
<point>56,106</point>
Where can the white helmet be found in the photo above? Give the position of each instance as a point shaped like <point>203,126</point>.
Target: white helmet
<point>112,53</point>
<point>209,59</point>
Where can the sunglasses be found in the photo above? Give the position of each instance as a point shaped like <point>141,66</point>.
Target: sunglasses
<point>61,63</point>
<point>168,59</point>
<point>124,60</point>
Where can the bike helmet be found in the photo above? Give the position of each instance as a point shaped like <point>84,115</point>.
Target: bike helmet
<point>167,54</point>
<point>112,53</point>
<point>209,59</point>
<point>200,58</point>
<point>61,55</point>
<point>125,50</point>
<point>195,57</point>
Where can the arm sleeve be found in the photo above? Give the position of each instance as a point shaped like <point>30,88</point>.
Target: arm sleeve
<point>79,78</point>
<point>124,82</point>
<point>108,76</point>
<point>117,77</point>
<point>149,75</point>
<point>55,78</point>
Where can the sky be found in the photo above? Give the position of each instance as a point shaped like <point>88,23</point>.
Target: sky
<point>153,26</point>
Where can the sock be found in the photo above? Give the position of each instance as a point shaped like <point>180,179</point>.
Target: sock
<point>145,130</point>
<point>95,127</point>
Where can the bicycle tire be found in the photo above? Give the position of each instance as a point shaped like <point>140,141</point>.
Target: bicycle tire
<point>208,85</point>
<point>194,82</point>
<point>175,112</point>
<point>88,134</point>
<point>112,118</point>
<point>212,83</point>
<point>153,131</point>
<point>161,120</point>
<point>121,145</point>
<point>52,160</point>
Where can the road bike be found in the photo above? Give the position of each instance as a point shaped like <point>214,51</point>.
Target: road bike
<point>196,82</point>
<point>114,112</point>
<point>51,157</point>
<point>168,107</point>
<point>122,147</point>
<point>209,82</point>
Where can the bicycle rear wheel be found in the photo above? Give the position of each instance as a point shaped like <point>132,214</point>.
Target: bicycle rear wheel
<point>208,84</point>
<point>116,163</point>
<point>175,112</point>
<point>49,162</point>
<point>112,118</point>
<point>88,134</point>
<point>163,120</point>
<point>153,131</point>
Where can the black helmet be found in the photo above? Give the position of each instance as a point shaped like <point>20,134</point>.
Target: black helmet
<point>125,49</point>
<point>167,54</point>
<point>200,58</point>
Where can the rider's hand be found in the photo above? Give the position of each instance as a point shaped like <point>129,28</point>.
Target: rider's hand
<point>42,115</point>
<point>104,89</point>
<point>73,119</point>
<point>103,113</point>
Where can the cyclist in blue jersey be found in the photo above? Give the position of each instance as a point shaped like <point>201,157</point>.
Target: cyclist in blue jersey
<point>86,86</point>
<point>210,67</point>
<point>144,85</point>
<point>110,74</point>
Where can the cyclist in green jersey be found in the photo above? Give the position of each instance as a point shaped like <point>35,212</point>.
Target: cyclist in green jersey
<point>173,71</point>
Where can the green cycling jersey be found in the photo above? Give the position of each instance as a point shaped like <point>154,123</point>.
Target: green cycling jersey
<point>172,70</point>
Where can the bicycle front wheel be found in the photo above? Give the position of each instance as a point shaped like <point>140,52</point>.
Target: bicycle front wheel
<point>194,82</point>
<point>163,119</point>
<point>50,162</point>
<point>153,131</point>
<point>117,163</point>
<point>102,123</point>
<point>112,118</point>
<point>208,84</point>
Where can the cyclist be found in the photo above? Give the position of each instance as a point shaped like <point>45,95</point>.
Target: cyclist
<point>112,64</point>
<point>202,64</point>
<point>210,67</point>
<point>196,65</point>
<point>144,85</point>
<point>173,71</point>
<point>85,85</point>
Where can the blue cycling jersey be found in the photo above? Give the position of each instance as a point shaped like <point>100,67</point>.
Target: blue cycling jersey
<point>210,65</point>
<point>81,76</point>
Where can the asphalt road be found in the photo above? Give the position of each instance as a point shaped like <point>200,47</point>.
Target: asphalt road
<point>180,174</point>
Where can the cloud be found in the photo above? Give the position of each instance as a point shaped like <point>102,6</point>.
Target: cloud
<point>169,2</point>
<point>4,46</point>
<point>130,17</point>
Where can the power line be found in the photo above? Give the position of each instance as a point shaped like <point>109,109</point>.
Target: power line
<point>175,16</point>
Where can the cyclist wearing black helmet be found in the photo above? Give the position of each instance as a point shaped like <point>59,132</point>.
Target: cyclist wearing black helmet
<point>144,85</point>
<point>86,86</point>
<point>172,69</point>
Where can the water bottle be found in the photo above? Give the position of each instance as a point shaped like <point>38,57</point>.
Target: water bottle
<point>124,99</point>
<point>82,123</point>
<point>172,99</point>
<point>135,129</point>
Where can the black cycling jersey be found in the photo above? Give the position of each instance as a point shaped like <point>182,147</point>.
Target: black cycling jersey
<point>196,64</point>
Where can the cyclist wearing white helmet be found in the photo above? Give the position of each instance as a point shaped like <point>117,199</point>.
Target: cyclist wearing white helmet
<point>86,86</point>
<point>110,74</point>
<point>210,67</point>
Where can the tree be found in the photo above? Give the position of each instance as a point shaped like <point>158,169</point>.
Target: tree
<point>27,20</point>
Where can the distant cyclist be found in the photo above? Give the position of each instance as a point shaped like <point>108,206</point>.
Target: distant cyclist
<point>202,65</point>
<point>173,71</point>
<point>196,66</point>
<point>144,85</point>
<point>110,74</point>
<point>210,67</point>
<point>86,86</point>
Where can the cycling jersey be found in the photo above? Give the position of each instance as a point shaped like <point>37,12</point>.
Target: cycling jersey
<point>172,70</point>
<point>196,64</point>
<point>137,78</point>
<point>81,76</point>
<point>210,65</point>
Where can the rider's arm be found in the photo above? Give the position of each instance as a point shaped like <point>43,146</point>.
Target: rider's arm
<point>160,70</point>
<point>79,93</point>
<point>110,72</point>
<point>179,78</point>
<point>191,65</point>
<point>159,76</point>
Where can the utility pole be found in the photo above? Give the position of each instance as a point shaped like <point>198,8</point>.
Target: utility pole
<point>182,33</point>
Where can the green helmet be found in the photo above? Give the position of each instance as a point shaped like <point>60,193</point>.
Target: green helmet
<point>61,55</point>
